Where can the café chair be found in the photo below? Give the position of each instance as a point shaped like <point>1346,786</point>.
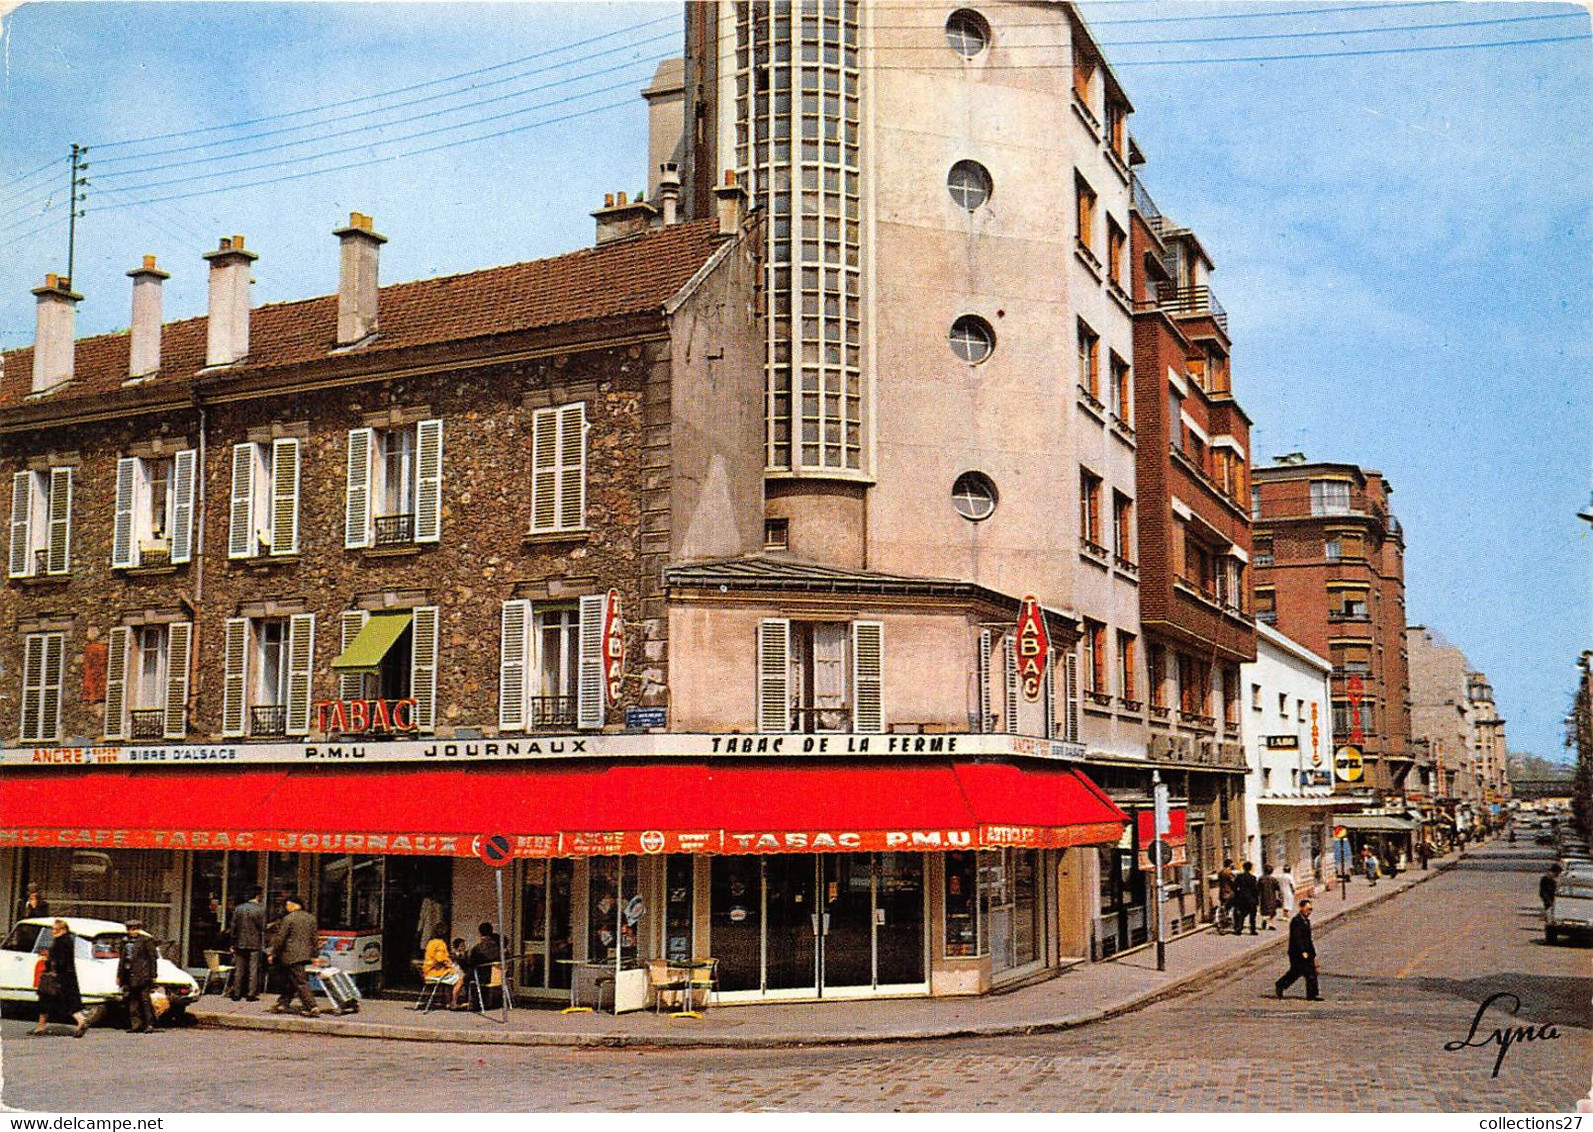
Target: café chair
<point>215,970</point>
<point>665,978</point>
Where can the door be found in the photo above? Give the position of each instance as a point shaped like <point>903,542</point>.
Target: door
<point>899,920</point>
<point>846,929</point>
<point>416,900</point>
<point>791,935</point>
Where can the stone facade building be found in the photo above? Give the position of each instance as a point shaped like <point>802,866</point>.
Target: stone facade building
<point>1454,719</point>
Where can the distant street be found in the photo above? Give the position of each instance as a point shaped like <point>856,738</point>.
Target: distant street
<point>1400,981</point>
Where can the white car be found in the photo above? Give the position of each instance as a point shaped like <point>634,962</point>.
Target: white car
<point>99,949</point>
<point>1572,910</point>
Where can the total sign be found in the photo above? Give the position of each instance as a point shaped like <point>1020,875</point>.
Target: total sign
<point>613,647</point>
<point>1034,646</point>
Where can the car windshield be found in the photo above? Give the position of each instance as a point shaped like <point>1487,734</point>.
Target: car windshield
<point>22,938</point>
<point>109,946</point>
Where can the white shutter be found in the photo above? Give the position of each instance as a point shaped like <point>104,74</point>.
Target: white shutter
<point>428,481</point>
<point>774,674</point>
<point>544,470</point>
<point>589,668</point>
<point>351,685</point>
<point>234,683</point>
<point>572,467</point>
<point>868,663</point>
<point>1048,694</point>
<point>124,547</point>
<point>179,647</point>
<point>1070,721</point>
<point>301,658</point>
<point>514,651</point>
<point>50,690</point>
<point>21,513</point>
<point>117,651</point>
<point>285,496</point>
<point>183,474</point>
<point>986,716</point>
<point>32,685</point>
<point>1009,668</point>
<point>357,514</point>
<point>240,532</point>
<point>59,557</point>
<point>423,666</point>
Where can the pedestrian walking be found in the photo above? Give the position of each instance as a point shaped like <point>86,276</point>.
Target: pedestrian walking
<point>33,905</point>
<point>1424,852</point>
<point>1271,898</point>
<point>1246,894</point>
<point>1225,896</point>
<point>1549,886</point>
<point>1369,863</point>
<point>1302,956</point>
<point>135,974</point>
<point>248,938</point>
<point>59,995</point>
<point>292,948</point>
<point>1286,887</point>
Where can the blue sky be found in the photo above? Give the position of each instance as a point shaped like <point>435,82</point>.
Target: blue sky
<point>1403,241</point>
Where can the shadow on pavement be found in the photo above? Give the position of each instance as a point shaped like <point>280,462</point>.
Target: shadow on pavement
<point>1560,999</point>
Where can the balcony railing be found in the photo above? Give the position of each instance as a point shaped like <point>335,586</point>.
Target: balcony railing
<point>1128,566</point>
<point>146,723</point>
<point>818,720</point>
<point>1160,713</point>
<point>1098,699</point>
<point>1094,549</point>
<point>1267,616</point>
<point>1348,615</point>
<point>1144,205</point>
<point>1189,302</point>
<point>1198,721</point>
<point>1091,399</point>
<point>1129,705</point>
<point>395,530</point>
<point>41,561</point>
<point>154,555</point>
<point>268,720</point>
<point>549,712</point>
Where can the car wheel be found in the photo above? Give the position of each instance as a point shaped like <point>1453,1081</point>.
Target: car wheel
<point>1551,936</point>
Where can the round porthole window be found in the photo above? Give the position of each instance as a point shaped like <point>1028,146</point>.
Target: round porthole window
<point>971,338</point>
<point>974,496</point>
<point>969,184</point>
<point>967,32</point>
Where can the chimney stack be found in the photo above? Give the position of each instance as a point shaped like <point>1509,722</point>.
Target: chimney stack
<point>669,191</point>
<point>356,281</point>
<point>732,200</point>
<point>227,328</point>
<point>621,217</point>
<point>143,357</point>
<point>54,343</point>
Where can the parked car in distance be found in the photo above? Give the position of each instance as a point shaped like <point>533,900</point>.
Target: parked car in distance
<point>1571,913</point>
<point>99,949</point>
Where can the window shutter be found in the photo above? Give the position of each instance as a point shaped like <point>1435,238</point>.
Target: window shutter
<point>544,469</point>
<point>301,658</point>
<point>357,515</point>
<point>589,671</point>
<point>868,662</point>
<point>285,496</point>
<point>59,557</point>
<point>1009,666</point>
<point>183,473</point>
<point>423,666</point>
<point>774,675</point>
<point>513,654</point>
<point>1070,722</point>
<point>240,532</point>
<point>572,467</point>
<point>351,685</point>
<point>50,693</point>
<point>21,512</point>
<point>124,548</point>
<point>32,685</point>
<point>179,647</point>
<point>1048,694</point>
<point>986,717</point>
<point>234,684</point>
<point>117,648</point>
<point>428,481</point>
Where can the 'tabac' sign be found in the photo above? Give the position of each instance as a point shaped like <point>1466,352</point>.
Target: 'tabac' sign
<point>613,647</point>
<point>355,717</point>
<point>1034,646</point>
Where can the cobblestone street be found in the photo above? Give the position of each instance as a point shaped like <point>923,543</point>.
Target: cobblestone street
<point>1400,980</point>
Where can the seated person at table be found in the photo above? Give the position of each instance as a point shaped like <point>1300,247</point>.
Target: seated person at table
<point>439,967</point>
<point>487,951</point>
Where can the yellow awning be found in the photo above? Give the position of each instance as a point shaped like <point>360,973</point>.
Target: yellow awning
<point>365,652</point>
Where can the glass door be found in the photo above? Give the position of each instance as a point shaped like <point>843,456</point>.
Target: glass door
<point>899,920</point>
<point>791,930</point>
<point>847,928</point>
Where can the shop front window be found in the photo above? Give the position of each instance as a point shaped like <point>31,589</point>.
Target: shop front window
<point>678,905</point>
<point>963,935</point>
<point>350,893</point>
<point>221,881</point>
<point>111,884</point>
<point>616,912</point>
<point>546,938</point>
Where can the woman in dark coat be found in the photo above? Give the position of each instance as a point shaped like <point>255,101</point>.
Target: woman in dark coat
<point>60,967</point>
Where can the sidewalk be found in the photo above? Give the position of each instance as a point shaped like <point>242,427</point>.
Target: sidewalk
<point>1085,993</point>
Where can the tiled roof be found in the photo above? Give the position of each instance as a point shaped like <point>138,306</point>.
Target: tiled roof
<point>626,277</point>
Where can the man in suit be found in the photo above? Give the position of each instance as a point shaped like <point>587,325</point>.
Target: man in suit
<point>135,974</point>
<point>248,937</point>
<point>292,948</point>
<point>1246,894</point>
<point>1302,955</point>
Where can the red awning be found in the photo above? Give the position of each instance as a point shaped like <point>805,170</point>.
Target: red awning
<point>1177,826</point>
<point>563,811</point>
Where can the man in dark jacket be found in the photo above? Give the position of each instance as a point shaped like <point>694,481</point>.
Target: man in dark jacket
<point>248,937</point>
<point>1549,885</point>
<point>135,974</point>
<point>1246,894</point>
<point>479,961</point>
<point>292,948</point>
<point>1302,955</point>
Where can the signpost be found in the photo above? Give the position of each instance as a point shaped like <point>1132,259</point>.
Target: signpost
<point>497,851</point>
<point>1342,861</point>
<point>1160,854</point>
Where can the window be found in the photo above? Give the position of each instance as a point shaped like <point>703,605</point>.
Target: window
<point>1332,549</point>
<point>1255,697</point>
<point>1122,390</point>
<point>1354,606</point>
<point>267,678</point>
<point>1127,678</point>
<point>551,669</point>
<point>967,32</point>
<point>1283,704</point>
<point>969,184</point>
<point>1353,659</point>
<point>777,534</point>
<point>1090,511</point>
<point>1219,374</point>
<point>1084,215</point>
<point>146,681</point>
<point>1123,528</point>
<point>558,469</point>
<point>1116,253</point>
<point>1089,363</point>
<point>1175,420</point>
<point>820,676</point>
<point>1255,503</point>
<point>43,668</point>
<point>394,491</point>
<point>1116,126</point>
<point>1230,697</point>
<point>406,668</point>
<point>972,339</point>
<point>1083,76</point>
<point>1155,675</point>
<point>1266,605</point>
<point>1095,658</point>
<point>1330,497</point>
<point>974,496</point>
<point>154,510</point>
<point>1299,710</point>
<point>41,523</point>
<point>966,932</point>
<point>1263,552</point>
<point>264,511</point>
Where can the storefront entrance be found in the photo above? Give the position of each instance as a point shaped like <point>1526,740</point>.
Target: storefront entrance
<point>418,898</point>
<point>815,925</point>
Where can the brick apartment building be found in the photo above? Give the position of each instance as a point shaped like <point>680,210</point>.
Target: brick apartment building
<point>1329,558</point>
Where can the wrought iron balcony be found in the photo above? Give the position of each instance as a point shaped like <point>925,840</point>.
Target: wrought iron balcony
<point>1094,549</point>
<point>1191,302</point>
<point>146,723</point>
<point>548,712</point>
<point>1129,705</point>
<point>268,720</point>
<point>395,530</point>
<point>817,720</point>
<point>41,561</point>
<point>1098,699</point>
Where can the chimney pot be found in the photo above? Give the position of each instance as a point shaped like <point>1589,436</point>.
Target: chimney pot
<point>359,258</point>
<point>732,201</point>
<point>54,344</point>
<point>669,191</point>
<point>149,262</point>
<point>620,200</point>
<point>608,200</point>
<point>227,325</point>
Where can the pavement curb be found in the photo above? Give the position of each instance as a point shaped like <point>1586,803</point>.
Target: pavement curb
<point>345,1027</point>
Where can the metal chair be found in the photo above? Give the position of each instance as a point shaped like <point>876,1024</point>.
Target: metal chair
<point>665,978</point>
<point>704,979</point>
<point>215,969</point>
<point>428,996</point>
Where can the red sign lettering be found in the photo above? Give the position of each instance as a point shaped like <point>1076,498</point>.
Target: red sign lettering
<point>1034,648</point>
<point>355,717</point>
<point>613,648</point>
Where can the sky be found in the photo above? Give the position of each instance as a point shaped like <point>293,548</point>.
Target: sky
<point>1403,236</point>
